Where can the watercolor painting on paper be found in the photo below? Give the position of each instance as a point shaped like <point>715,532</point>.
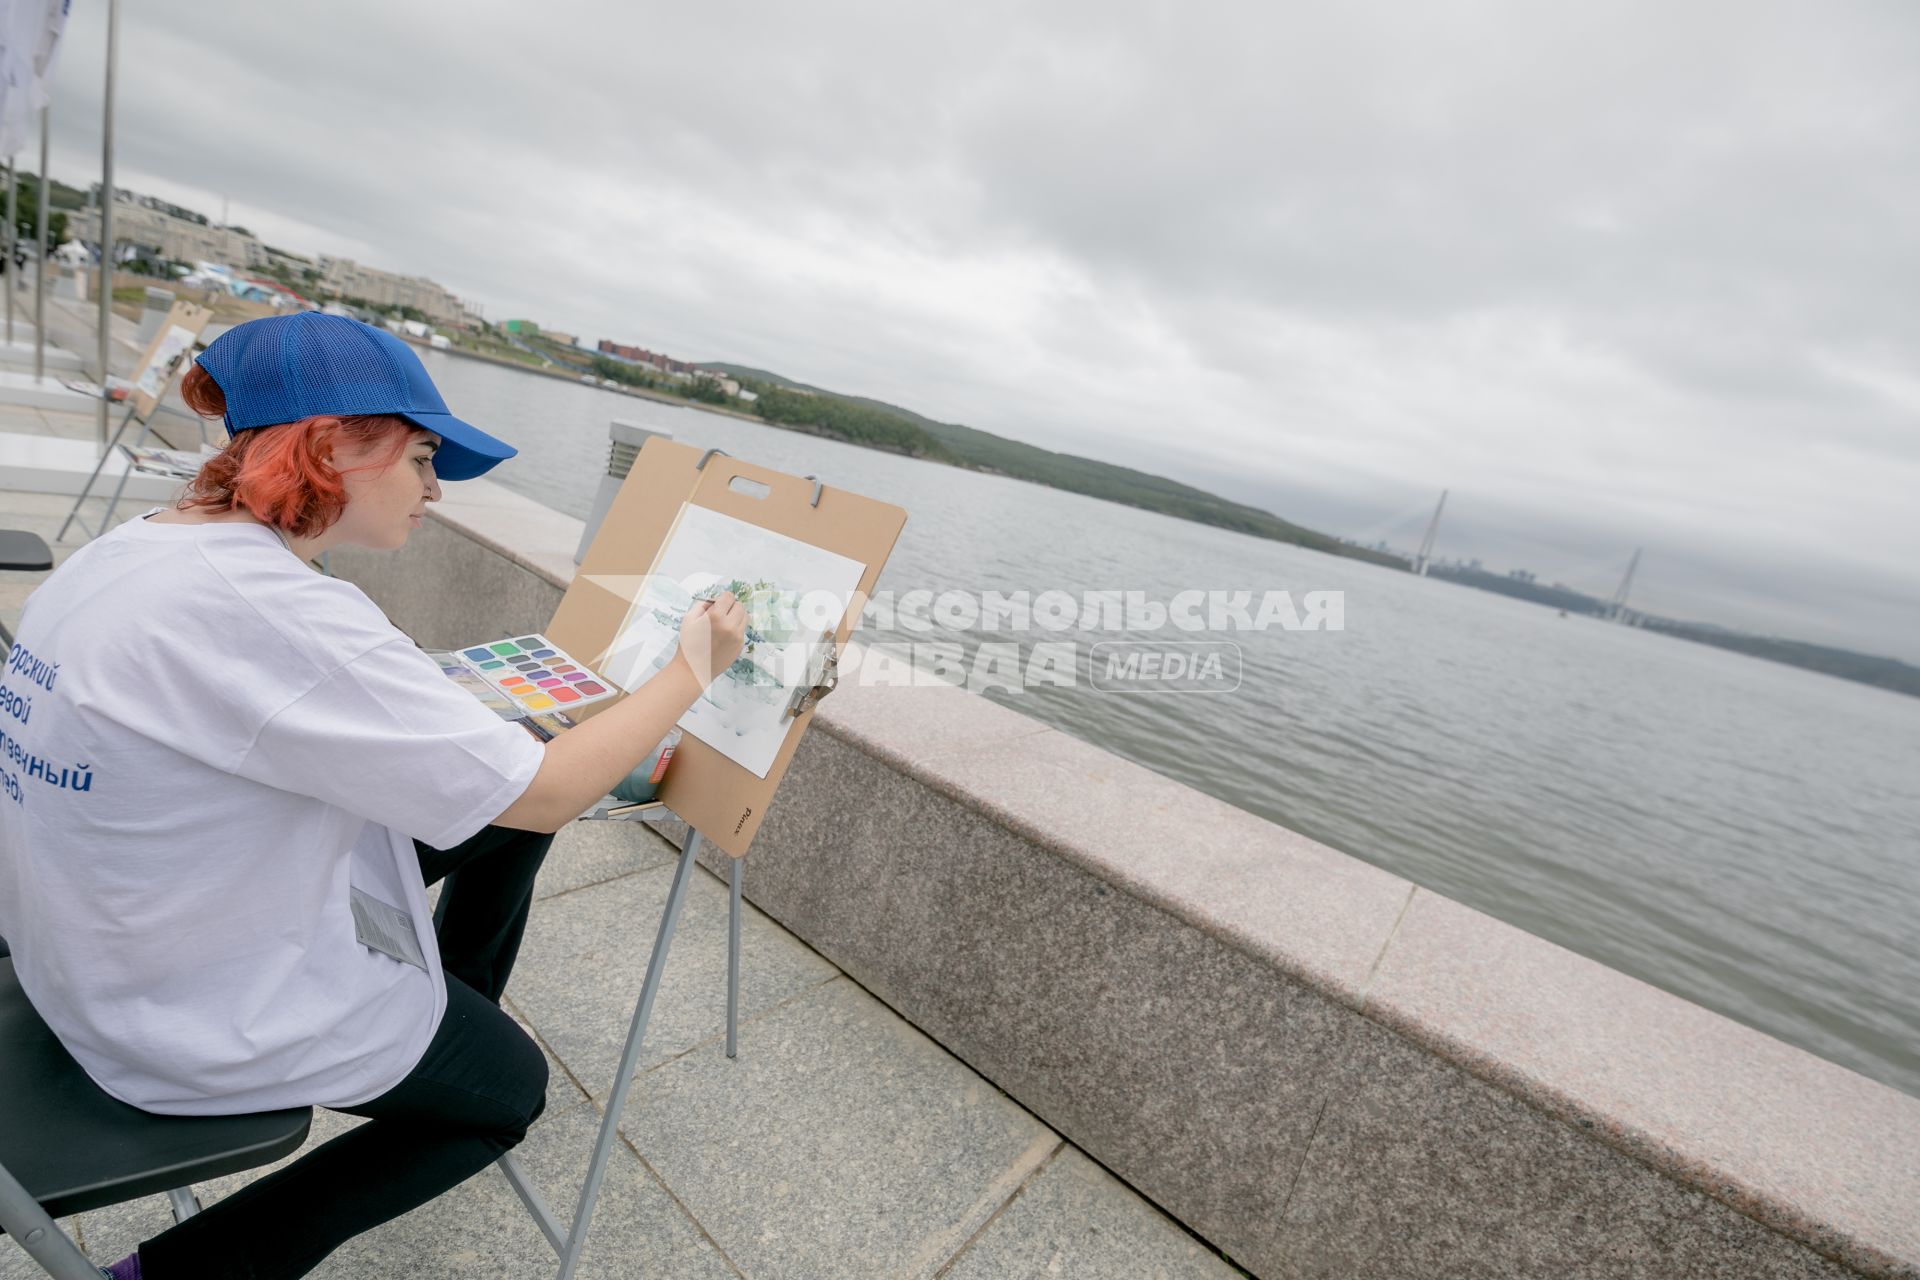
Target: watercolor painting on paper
<point>793,594</point>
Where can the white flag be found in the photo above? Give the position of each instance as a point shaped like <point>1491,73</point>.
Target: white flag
<point>29,44</point>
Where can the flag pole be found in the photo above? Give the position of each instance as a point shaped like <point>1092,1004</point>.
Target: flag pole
<point>13,236</point>
<point>106,215</point>
<point>40,257</point>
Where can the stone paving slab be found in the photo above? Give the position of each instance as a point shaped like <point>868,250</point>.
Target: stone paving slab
<point>840,1143</point>
<point>48,391</point>
<point>1076,1221</point>
<point>21,419</point>
<point>52,465</point>
<point>21,356</point>
<point>481,1229</point>
<point>589,853</point>
<point>585,957</point>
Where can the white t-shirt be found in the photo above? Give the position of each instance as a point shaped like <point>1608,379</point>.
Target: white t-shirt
<point>206,747</point>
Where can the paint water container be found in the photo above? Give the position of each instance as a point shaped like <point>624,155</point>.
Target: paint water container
<point>643,784</point>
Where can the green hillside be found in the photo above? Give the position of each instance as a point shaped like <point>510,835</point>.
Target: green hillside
<point>795,404</point>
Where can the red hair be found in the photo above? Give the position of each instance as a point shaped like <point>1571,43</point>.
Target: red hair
<point>284,475</point>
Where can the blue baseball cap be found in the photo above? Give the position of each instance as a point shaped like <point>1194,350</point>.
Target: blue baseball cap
<point>285,368</point>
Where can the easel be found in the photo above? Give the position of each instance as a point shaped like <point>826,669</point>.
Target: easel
<point>704,788</point>
<point>119,490</point>
<point>177,335</point>
<point>568,1244</point>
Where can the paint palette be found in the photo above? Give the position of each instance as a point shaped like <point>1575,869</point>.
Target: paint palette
<point>535,676</point>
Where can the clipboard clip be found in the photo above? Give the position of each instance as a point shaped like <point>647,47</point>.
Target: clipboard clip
<point>823,675</point>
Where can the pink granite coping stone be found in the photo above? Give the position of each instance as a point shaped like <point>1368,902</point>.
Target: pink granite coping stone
<point>1316,914</point>
<point>906,725</point>
<point>1814,1151</point>
<point>527,533</point>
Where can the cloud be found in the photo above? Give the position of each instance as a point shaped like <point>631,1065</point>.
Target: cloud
<point>1617,275</point>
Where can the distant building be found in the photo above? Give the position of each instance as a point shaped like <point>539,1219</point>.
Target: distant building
<point>640,355</point>
<point>158,228</point>
<point>350,279</point>
<point>166,230</point>
<point>529,329</point>
<point>294,264</point>
<point>726,384</point>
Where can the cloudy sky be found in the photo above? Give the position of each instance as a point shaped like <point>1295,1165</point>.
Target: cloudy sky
<point>1617,275</point>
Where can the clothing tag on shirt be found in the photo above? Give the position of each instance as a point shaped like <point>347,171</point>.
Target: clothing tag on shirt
<point>386,929</point>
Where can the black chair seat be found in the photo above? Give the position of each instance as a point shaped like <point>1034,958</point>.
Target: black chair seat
<point>22,550</point>
<point>74,1148</point>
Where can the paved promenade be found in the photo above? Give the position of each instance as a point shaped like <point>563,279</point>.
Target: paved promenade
<point>840,1143</point>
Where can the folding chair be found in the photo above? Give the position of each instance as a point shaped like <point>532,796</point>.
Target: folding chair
<point>22,550</point>
<point>66,1147</point>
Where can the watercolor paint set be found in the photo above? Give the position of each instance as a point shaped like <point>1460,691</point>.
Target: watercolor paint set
<point>527,679</point>
<point>535,675</point>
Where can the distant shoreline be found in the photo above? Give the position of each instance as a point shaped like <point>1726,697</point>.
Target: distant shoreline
<point>580,380</point>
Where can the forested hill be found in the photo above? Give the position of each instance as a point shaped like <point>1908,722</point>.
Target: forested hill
<point>874,422</point>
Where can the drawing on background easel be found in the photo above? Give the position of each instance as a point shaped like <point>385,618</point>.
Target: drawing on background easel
<point>175,343</point>
<point>171,349</point>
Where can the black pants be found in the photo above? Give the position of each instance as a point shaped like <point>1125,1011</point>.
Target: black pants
<point>479,1086</point>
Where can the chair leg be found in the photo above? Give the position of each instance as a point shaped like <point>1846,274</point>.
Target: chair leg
<point>536,1203</point>
<point>39,1235</point>
<point>185,1203</point>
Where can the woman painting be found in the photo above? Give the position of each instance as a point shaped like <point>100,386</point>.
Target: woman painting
<point>231,780</point>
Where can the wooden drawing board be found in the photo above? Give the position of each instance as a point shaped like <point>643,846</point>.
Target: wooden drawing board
<point>188,316</point>
<point>723,801</point>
